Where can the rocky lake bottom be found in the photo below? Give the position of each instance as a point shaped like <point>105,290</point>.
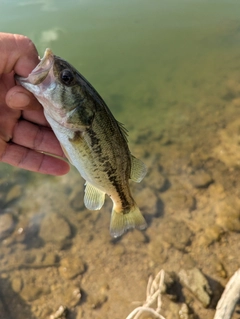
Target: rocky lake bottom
<point>55,253</point>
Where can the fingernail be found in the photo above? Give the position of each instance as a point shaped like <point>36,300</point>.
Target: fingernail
<point>19,100</point>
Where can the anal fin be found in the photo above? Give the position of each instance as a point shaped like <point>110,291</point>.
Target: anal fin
<point>93,197</point>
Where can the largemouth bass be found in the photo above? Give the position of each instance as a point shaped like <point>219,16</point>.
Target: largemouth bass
<point>91,138</point>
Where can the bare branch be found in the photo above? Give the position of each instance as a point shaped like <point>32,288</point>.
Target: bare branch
<point>229,298</point>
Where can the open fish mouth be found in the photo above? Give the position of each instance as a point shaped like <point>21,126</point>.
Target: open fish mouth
<point>41,71</point>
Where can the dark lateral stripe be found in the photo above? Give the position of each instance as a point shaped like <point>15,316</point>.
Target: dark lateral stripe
<point>110,171</point>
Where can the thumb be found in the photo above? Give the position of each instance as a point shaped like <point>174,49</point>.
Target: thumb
<point>18,53</point>
<point>20,99</point>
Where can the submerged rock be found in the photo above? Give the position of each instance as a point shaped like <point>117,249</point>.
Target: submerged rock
<point>157,252</point>
<point>147,201</point>
<point>96,300</point>
<point>17,284</point>
<point>71,267</point>
<point>210,235</point>
<point>72,296</point>
<point>6,225</point>
<point>175,233</point>
<point>228,214</point>
<point>197,283</point>
<point>201,179</point>
<point>31,292</point>
<point>156,180</point>
<point>54,228</point>
<point>227,149</point>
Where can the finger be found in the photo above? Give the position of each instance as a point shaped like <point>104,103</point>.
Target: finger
<point>8,118</point>
<point>18,53</point>
<point>36,137</point>
<point>35,117</point>
<point>31,160</point>
<point>19,98</point>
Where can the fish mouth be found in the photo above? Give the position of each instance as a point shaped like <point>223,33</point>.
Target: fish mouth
<point>40,72</point>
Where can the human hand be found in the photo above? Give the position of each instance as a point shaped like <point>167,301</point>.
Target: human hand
<point>24,131</point>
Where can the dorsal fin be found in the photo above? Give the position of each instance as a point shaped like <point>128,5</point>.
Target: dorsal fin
<point>123,130</point>
<point>138,169</point>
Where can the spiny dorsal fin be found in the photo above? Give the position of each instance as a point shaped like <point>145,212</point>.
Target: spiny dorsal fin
<point>123,130</point>
<point>138,169</point>
<point>93,198</point>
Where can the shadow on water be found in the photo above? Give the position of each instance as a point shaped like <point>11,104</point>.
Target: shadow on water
<point>217,289</point>
<point>12,306</point>
<point>175,290</point>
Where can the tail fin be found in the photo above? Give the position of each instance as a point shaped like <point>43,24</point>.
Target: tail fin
<point>120,222</point>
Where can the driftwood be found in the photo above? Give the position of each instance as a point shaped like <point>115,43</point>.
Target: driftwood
<point>229,298</point>
<point>154,291</point>
<point>155,288</point>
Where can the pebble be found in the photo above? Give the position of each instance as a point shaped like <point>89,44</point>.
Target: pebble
<point>178,200</point>
<point>227,149</point>
<point>187,261</point>
<point>220,270</point>
<point>196,282</point>
<point>211,235</point>
<point>228,215</point>
<point>176,233</point>
<point>72,296</point>
<point>61,313</point>
<point>45,312</point>
<point>31,292</point>
<point>184,312</point>
<point>71,267</point>
<point>118,250</point>
<point>200,179</point>
<point>157,252</point>
<point>50,258</point>
<point>6,225</point>
<point>156,180</point>
<point>134,238</point>
<point>147,201</point>
<point>80,313</point>
<point>54,228</point>
<point>172,311</point>
<point>29,258</point>
<point>96,300</point>
<point>17,284</point>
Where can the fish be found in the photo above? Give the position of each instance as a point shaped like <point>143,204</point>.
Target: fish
<point>91,138</point>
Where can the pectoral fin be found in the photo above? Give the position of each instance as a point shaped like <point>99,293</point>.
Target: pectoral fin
<point>93,198</point>
<point>138,169</point>
<point>66,154</point>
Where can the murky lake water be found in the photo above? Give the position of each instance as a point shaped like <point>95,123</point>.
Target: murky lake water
<point>170,71</point>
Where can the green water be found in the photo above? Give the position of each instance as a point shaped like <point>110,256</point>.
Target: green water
<point>138,54</point>
<point>164,67</point>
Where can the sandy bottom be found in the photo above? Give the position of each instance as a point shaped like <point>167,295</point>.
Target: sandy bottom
<point>55,252</point>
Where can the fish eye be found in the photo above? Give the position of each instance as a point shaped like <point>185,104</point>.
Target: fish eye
<point>66,77</point>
